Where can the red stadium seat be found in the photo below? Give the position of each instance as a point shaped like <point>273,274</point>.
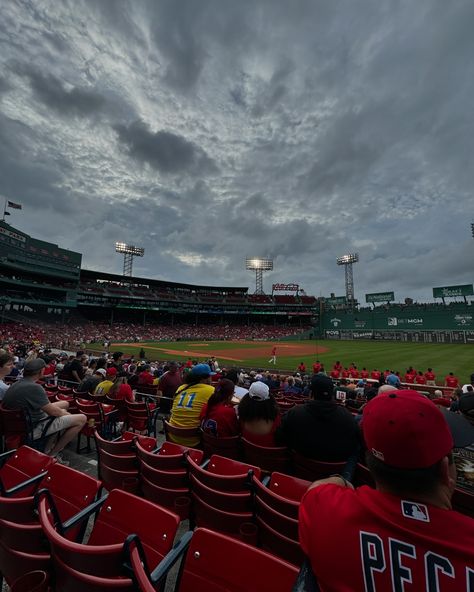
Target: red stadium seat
<point>276,507</point>
<point>141,417</point>
<point>222,496</point>
<point>120,514</point>
<point>180,433</point>
<point>99,418</point>
<point>228,447</point>
<point>238,568</point>
<point>20,466</point>
<point>311,469</point>
<point>268,458</point>
<point>164,476</point>
<point>21,537</point>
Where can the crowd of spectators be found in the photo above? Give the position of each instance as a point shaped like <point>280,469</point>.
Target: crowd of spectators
<point>408,445</point>
<point>77,334</point>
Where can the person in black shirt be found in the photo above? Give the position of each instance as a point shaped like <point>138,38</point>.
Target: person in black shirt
<point>320,429</point>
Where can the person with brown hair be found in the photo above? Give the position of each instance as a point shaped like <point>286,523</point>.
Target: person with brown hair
<point>218,416</point>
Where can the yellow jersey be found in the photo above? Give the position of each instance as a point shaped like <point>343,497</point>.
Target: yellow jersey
<point>187,405</point>
<point>103,387</point>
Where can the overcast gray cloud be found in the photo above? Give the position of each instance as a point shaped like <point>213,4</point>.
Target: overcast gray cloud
<point>209,131</point>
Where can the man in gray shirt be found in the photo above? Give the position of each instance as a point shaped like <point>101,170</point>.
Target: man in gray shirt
<point>27,394</point>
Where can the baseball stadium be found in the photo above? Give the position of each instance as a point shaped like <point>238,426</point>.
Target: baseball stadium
<point>46,288</point>
<point>214,414</point>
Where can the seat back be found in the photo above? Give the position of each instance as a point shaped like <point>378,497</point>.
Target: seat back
<point>16,427</point>
<point>277,515</point>
<point>239,566</point>
<point>119,404</point>
<point>22,546</point>
<point>138,416</point>
<point>172,432</point>
<point>283,493</point>
<point>311,469</point>
<point>122,447</point>
<point>94,413</point>
<point>224,474</point>
<point>222,494</point>
<point>164,476</point>
<point>228,447</point>
<point>22,465</point>
<point>121,514</point>
<point>268,458</point>
<point>71,580</point>
<point>170,455</point>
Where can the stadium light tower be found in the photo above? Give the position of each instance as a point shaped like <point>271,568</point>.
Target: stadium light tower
<point>347,261</point>
<point>259,265</point>
<point>129,252</point>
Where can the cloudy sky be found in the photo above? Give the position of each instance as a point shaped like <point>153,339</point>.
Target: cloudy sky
<point>211,130</point>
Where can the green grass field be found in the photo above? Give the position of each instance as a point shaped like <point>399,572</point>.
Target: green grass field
<point>442,358</point>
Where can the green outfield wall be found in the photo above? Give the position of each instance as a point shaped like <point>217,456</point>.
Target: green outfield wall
<point>431,325</point>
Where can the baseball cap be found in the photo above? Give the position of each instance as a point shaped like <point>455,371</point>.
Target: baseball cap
<point>322,387</point>
<point>100,371</point>
<point>406,430</point>
<point>111,371</point>
<point>34,365</point>
<point>203,370</point>
<point>259,390</point>
<point>392,380</point>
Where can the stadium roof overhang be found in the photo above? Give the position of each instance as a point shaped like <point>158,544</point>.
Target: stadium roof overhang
<point>89,275</point>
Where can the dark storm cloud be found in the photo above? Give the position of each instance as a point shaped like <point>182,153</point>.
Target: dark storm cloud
<point>52,92</point>
<point>299,130</point>
<point>4,85</point>
<point>164,151</point>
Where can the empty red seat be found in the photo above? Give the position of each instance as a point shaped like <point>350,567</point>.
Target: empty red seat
<point>217,563</point>
<point>164,475</point>
<point>120,515</point>
<point>21,537</point>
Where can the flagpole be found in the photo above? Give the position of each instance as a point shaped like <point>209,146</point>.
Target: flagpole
<point>4,210</point>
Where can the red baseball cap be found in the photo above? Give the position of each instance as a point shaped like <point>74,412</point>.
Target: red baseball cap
<point>406,430</point>
<point>111,371</point>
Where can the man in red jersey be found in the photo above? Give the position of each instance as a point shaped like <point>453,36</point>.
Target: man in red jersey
<point>301,367</point>
<point>364,374</point>
<point>334,373</point>
<point>420,378</point>
<point>403,534</point>
<point>316,367</point>
<point>337,366</point>
<point>273,359</point>
<point>375,374</point>
<point>345,373</point>
<point>451,380</point>
<point>430,377</point>
<point>354,372</point>
<point>409,377</point>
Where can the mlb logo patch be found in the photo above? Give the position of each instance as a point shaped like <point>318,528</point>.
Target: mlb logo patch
<point>415,511</point>
<point>392,321</point>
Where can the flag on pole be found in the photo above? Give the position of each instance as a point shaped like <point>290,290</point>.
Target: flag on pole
<point>12,204</point>
<point>6,213</point>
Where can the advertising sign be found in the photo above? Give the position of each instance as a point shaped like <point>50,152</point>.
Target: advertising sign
<point>336,300</point>
<point>380,297</point>
<point>285,287</point>
<point>453,291</point>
